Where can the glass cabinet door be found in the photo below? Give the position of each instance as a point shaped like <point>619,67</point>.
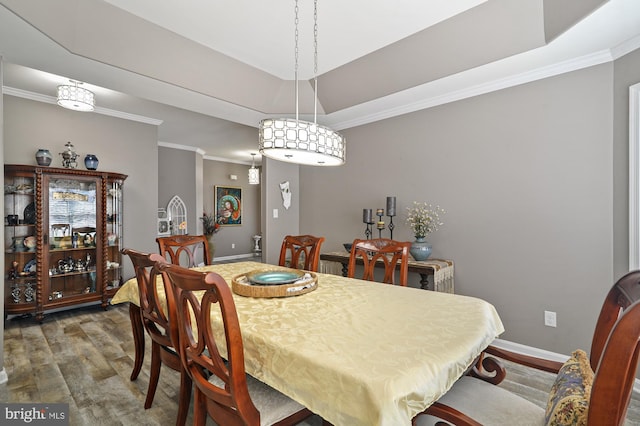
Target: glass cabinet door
<point>74,244</point>
<point>114,235</point>
<point>20,243</point>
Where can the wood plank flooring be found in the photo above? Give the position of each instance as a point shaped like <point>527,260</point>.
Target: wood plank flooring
<point>84,357</point>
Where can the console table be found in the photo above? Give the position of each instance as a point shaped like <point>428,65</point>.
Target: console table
<point>440,269</point>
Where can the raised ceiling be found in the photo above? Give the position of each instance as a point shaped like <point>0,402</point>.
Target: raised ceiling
<point>200,69</point>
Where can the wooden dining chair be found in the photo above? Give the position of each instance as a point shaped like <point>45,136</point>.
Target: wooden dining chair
<point>222,388</point>
<point>185,250</point>
<point>162,331</point>
<point>301,252</point>
<point>589,389</point>
<point>380,252</point>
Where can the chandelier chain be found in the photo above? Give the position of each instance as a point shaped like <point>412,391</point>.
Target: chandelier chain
<point>299,141</point>
<point>315,61</point>
<point>296,57</point>
<point>315,38</point>
<point>295,22</point>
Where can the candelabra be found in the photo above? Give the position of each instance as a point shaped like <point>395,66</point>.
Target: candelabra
<point>367,218</point>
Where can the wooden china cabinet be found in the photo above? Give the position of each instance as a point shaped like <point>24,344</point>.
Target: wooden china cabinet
<point>63,235</point>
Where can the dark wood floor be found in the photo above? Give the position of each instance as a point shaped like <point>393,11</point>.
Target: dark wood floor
<point>84,357</point>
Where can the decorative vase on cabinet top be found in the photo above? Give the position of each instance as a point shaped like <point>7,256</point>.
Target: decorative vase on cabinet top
<point>91,162</point>
<point>420,249</point>
<point>43,157</point>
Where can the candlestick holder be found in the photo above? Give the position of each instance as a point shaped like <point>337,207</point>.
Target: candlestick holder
<point>380,226</point>
<point>391,226</point>
<point>391,212</point>
<point>369,231</point>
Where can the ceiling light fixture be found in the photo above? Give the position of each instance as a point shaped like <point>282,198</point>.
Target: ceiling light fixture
<point>297,141</point>
<point>254,173</point>
<point>75,97</point>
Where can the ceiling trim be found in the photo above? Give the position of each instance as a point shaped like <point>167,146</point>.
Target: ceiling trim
<point>626,47</point>
<point>201,152</point>
<point>25,94</point>
<point>597,58</point>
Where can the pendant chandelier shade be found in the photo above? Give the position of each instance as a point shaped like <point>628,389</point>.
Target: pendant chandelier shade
<point>75,97</point>
<point>297,141</point>
<point>254,173</point>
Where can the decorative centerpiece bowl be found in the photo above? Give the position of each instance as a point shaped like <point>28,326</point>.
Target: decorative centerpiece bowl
<point>347,247</point>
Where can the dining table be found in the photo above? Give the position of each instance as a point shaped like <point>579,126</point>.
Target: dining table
<point>357,353</point>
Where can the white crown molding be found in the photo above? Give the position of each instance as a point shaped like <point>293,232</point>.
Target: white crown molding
<point>181,147</point>
<point>227,160</point>
<point>626,47</point>
<point>25,94</point>
<point>581,62</point>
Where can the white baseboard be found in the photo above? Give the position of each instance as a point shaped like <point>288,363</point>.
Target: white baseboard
<point>529,350</point>
<point>3,377</point>
<point>235,256</point>
<point>541,353</point>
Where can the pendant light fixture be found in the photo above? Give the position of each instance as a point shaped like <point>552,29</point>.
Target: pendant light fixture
<point>298,141</point>
<point>254,173</point>
<point>75,97</point>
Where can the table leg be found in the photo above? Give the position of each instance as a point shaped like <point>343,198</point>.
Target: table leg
<point>138,338</point>
<point>345,268</point>
<point>424,281</point>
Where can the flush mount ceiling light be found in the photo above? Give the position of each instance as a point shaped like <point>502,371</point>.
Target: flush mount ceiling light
<point>254,173</point>
<point>75,97</point>
<point>297,141</point>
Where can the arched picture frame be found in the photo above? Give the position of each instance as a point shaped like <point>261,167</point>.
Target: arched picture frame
<point>177,211</point>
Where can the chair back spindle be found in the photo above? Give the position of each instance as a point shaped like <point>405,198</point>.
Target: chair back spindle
<point>380,251</point>
<point>301,252</point>
<point>185,250</point>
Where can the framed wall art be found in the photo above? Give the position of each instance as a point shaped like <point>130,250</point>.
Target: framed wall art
<point>228,201</point>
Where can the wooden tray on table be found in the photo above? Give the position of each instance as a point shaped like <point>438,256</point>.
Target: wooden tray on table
<point>274,283</point>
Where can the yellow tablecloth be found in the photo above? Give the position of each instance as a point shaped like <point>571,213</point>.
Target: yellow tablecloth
<point>357,352</point>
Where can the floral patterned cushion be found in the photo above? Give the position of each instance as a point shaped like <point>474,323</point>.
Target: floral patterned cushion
<point>569,398</point>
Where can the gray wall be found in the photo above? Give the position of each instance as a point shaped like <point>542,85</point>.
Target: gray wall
<point>288,220</point>
<point>121,146</point>
<point>626,74</point>
<point>525,175</point>
<point>217,173</point>
<point>178,177</point>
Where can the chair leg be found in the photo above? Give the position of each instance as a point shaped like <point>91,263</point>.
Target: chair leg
<point>154,374</point>
<point>199,408</point>
<point>185,398</point>
<point>138,339</point>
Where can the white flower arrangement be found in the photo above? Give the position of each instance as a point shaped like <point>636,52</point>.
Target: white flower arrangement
<point>424,219</point>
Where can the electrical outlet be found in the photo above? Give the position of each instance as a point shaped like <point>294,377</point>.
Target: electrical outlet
<point>549,318</point>
<point>233,245</point>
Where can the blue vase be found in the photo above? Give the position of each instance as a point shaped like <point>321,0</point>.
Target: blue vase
<point>43,157</point>
<point>91,162</point>
<point>420,249</point>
